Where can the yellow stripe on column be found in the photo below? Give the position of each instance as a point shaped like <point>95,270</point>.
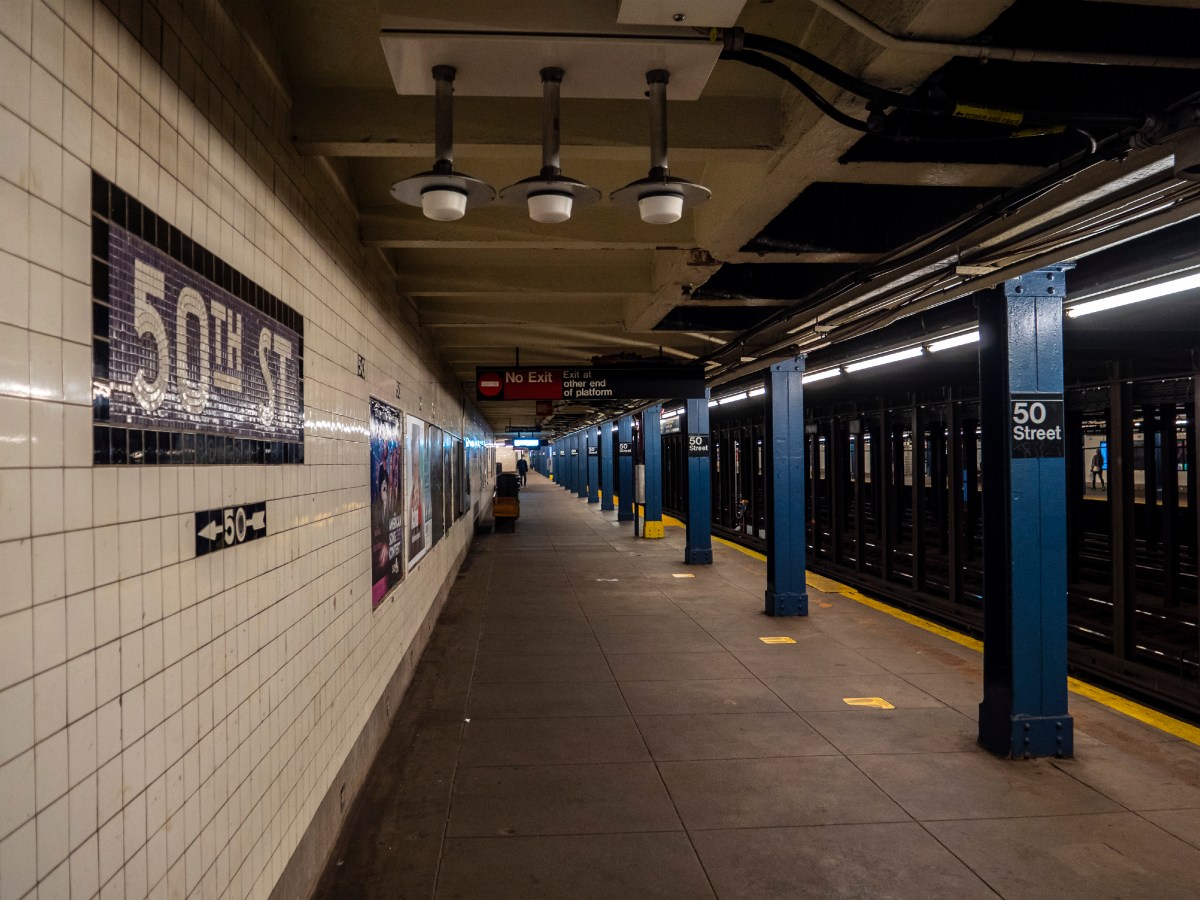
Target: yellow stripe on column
<point>652,529</point>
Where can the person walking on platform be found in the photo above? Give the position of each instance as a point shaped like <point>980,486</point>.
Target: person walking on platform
<point>1098,469</point>
<point>523,469</point>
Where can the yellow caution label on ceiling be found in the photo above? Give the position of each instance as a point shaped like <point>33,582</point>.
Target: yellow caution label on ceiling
<point>1039,131</point>
<point>873,702</point>
<point>988,114</point>
<point>777,640</point>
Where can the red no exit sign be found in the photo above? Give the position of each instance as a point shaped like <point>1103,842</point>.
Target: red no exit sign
<point>589,383</point>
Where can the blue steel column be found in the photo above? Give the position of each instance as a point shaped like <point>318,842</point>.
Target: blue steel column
<point>566,462</point>
<point>606,468</point>
<point>571,450</point>
<point>787,590</point>
<point>697,547</point>
<point>569,481</point>
<point>1024,708</point>
<point>581,488</point>
<point>593,464</point>
<point>652,440</point>
<point>625,470</point>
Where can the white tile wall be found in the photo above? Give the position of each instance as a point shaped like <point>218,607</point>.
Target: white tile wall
<point>169,724</point>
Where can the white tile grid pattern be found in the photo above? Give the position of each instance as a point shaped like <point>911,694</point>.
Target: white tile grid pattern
<point>171,723</point>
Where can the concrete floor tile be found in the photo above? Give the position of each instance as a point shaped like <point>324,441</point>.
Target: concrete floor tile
<point>747,636</point>
<point>783,660</point>
<point>391,839</point>
<point>748,736</point>
<point>676,666</point>
<point>551,741</point>
<point>581,867</point>
<point>538,644</point>
<point>912,730</point>
<point>644,605</point>
<point>751,624</point>
<point>550,623</point>
<point>575,799</point>
<point>1183,823</point>
<point>662,622</point>
<point>952,688</point>
<point>1139,777</point>
<point>921,658</point>
<point>1092,856</point>
<point>502,600</point>
<point>977,785</point>
<point>702,696</point>
<point>828,692</point>
<point>1112,727</point>
<point>757,793</point>
<point>882,632</point>
<point>688,639</point>
<point>500,668</point>
<point>894,861</point>
<point>549,699</point>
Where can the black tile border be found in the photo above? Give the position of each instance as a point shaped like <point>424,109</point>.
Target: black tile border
<point>136,445</point>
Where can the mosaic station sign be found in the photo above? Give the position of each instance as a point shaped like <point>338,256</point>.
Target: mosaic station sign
<point>193,362</point>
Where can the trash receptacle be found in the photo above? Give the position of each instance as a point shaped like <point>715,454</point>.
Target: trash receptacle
<point>506,505</point>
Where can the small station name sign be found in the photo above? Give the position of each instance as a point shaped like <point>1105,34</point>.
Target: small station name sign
<point>1037,426</point>
<point>593,383</point>
<point>698,445</point>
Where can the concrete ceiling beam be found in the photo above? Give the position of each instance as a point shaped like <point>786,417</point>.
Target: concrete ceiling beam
<point>335,122</point>
<point>499,227</point>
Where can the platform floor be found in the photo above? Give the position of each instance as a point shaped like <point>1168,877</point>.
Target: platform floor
<point>585,724</point>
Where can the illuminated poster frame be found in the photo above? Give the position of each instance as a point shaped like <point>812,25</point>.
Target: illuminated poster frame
<point>418,490</point>
<point>437,482</point>
<point>387,500</point>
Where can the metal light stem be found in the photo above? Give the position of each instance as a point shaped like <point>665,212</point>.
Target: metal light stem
<point>551,126</point>
<point>657,79</point>
<point>443,76</point>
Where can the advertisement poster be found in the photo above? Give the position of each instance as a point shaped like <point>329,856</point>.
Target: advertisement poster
<point>437,469</point>
<point>420,502</point>
<point>448,468</point>
<point>462,487</point>
<point>387,516</point>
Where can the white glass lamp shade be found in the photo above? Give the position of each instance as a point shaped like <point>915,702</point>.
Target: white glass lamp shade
<point>550,208</point>
<point>660,209</point>
<point>443,204</point>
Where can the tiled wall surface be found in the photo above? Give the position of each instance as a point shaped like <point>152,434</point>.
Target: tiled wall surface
<point>169,724</point>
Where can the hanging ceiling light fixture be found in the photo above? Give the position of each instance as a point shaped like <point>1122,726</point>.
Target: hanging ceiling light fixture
<point>550,195</point>
<point>442,193</point>
<point>660,197</point>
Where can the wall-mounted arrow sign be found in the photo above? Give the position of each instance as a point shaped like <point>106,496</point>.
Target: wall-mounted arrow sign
<point>217,529</point>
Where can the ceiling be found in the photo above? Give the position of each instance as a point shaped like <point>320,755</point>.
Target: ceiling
<point>806,216</point>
